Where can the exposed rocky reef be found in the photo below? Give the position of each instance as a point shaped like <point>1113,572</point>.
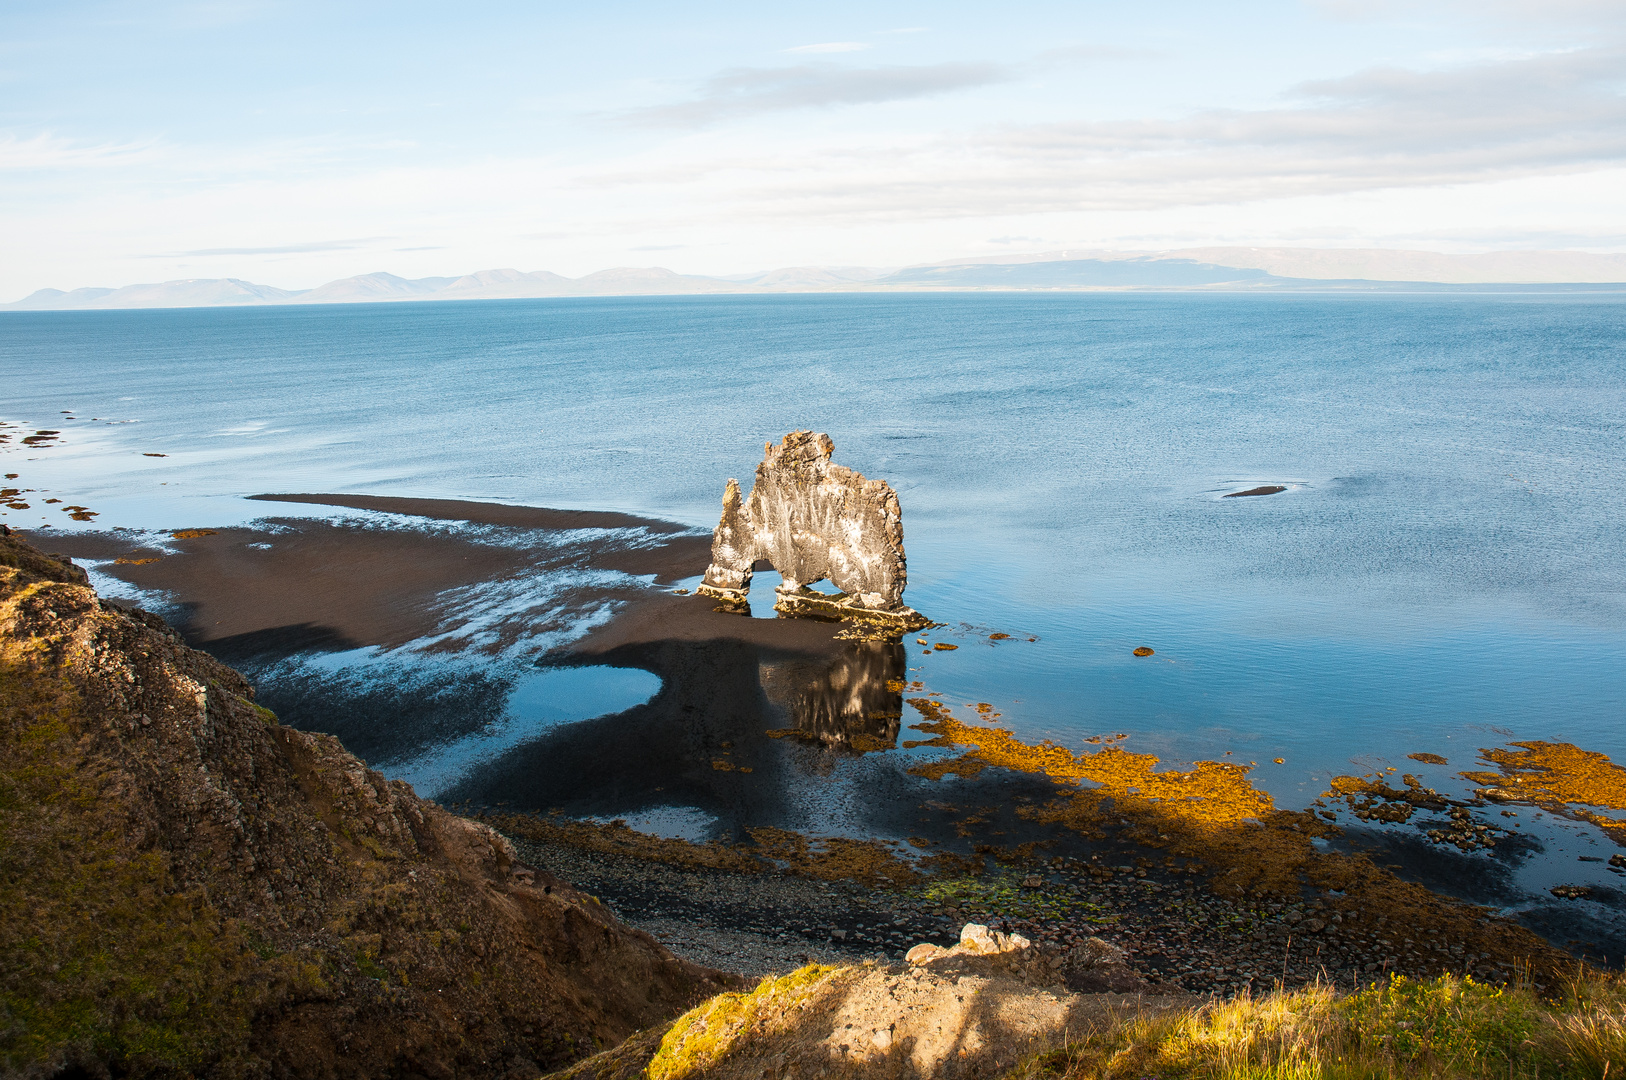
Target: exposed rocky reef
<point>813,520</point>
<point>191,888</point>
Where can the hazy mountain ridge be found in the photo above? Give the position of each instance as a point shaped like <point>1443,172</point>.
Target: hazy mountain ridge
<point>1221,268</point>
<point>1371,264</point>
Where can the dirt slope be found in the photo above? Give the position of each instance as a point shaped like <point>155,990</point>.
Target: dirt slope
<point>971,1011</point>
<point>189,888</point>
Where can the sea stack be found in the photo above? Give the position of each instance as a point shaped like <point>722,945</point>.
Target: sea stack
<point>814,520</point>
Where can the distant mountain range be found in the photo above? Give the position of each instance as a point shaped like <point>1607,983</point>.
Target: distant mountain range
<point>1210,269</point>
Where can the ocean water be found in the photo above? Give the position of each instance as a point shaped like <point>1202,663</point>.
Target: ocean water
<point>1446,570</point>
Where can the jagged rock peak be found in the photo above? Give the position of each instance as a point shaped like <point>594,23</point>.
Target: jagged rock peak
<point>813,520</point>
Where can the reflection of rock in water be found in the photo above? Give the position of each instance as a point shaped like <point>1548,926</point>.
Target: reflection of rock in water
<point>854,704</point>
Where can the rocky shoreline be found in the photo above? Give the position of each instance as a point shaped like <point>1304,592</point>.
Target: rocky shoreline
<point>207,891</point>
<point>1176,933</point>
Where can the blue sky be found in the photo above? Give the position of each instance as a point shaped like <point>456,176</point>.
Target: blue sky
<point>293,143</point>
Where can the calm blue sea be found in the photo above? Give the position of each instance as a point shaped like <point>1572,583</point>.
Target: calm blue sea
<point>1446,571</point>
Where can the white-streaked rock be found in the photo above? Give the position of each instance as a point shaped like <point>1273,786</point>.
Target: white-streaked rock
<point>814,520</point>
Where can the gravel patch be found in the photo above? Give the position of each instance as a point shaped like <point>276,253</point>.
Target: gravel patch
<point>750,923</point>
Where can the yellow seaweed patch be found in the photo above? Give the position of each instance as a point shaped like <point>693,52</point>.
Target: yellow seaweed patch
<point>835,858</point>
<point>125,560</point>
<point>1212,811</point>
<point>1557,776</point>
<point>1143,651</point>
<point>1428,759</point>
<point>188,534</point>
<point>943,646</point>
<point>1223,786</point>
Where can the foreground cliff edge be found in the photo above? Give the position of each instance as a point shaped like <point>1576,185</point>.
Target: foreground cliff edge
<point>188,887</point>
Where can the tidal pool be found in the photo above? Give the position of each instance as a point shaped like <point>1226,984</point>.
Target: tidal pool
<point>536,704</point>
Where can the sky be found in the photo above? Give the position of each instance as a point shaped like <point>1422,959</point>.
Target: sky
<point>292,143</point>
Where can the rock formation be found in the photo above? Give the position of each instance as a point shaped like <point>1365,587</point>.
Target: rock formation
<point>814,520</point>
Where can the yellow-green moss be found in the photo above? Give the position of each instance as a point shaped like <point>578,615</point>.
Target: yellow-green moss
<point>702,1036</point>
<point>102,954</point>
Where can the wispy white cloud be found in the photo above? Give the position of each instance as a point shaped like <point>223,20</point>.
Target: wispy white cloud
<point>1376,129</point>
<point>46,151</point>
<point>1088,54</point>
<point>740,92</point>
<point>831,47</point>
<point>283,249</point>
<point>1542,12</point>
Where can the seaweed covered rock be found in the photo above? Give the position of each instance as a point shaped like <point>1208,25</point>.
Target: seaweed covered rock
<point>814,520</point>
<point>188,887</point>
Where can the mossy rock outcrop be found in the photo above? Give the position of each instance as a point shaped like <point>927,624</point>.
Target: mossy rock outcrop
<point>189,888</point>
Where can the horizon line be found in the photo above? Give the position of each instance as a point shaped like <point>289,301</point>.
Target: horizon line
<point>1061,270</point>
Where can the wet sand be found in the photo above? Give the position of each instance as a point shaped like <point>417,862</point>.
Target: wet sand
<point>483,513</point>
<point>290,584</point>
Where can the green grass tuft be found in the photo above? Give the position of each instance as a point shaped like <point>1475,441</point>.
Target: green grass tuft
<point>701,1036</point>
<point>1447,1028</point>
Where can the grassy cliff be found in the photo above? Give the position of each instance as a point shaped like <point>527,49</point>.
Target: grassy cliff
<point>189,888</point>
<point>822,1022</point>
